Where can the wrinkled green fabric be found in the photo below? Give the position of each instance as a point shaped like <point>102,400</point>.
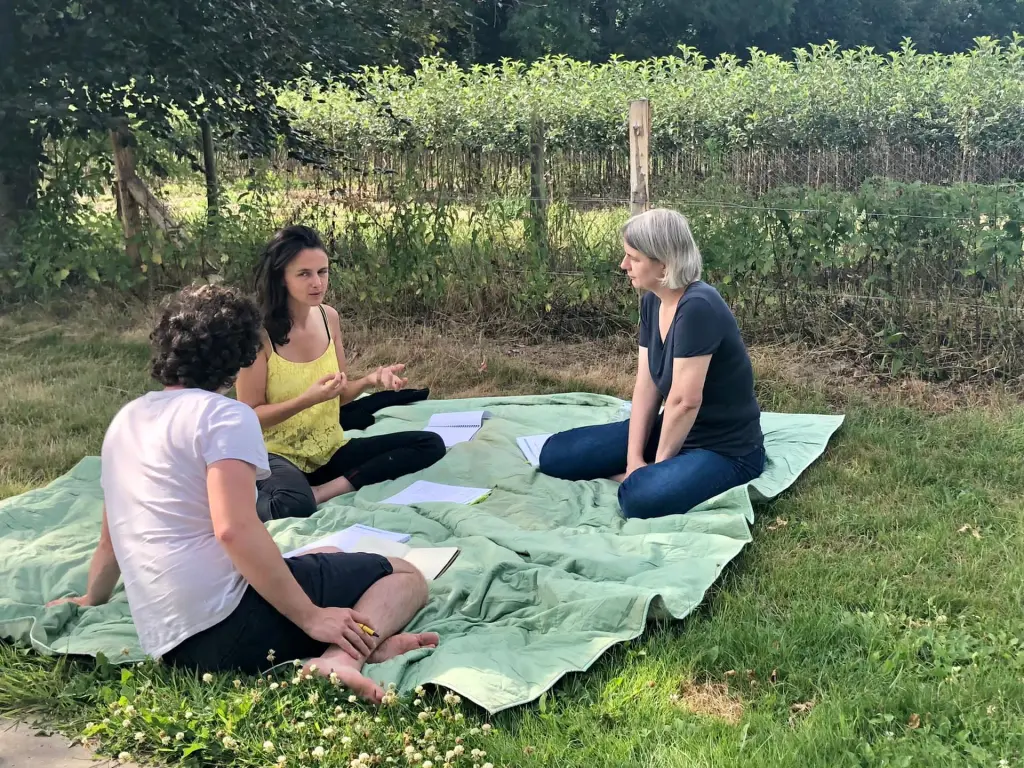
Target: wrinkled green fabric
<point>550,574</point>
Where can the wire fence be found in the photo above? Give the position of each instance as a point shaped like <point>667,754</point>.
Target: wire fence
<point>908,258</point>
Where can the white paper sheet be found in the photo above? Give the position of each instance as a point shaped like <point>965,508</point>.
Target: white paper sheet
<point>425,492</point>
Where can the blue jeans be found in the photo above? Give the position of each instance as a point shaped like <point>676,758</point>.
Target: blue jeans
<point>669,487</point>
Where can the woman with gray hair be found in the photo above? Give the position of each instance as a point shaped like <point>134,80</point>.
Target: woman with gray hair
<point>693,361</point>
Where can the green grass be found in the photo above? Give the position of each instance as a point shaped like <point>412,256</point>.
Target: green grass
<point>865,625</point>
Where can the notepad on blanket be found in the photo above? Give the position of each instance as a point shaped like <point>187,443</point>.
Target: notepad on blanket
<point>426,492</point>
<point>346,540</point>
<point>531,446</point>
<point>458,427</point>
<point>431,561</point>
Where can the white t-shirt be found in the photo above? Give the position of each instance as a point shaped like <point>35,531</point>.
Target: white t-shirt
<point>178,578</point>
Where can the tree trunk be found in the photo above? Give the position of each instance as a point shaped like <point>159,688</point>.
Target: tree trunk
<point>19,181</point>
<point>210,166</point>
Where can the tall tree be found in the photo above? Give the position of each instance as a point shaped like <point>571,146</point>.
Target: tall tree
<point>76,66</point>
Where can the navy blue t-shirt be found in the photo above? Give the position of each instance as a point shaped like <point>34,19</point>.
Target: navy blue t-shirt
<point>729,419</point>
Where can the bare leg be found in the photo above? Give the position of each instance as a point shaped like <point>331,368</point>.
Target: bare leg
<point>339,486</point>
<point>391,604</point>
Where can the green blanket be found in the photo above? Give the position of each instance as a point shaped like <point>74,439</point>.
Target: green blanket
<point>550,575</point>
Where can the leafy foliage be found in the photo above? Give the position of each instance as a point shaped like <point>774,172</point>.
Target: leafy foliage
<point>826,97</point>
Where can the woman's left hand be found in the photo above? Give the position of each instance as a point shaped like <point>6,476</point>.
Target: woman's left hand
<point>388,377</point>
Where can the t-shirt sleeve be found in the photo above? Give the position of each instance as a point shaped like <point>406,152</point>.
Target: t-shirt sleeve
<point>698,329</point>
<point>645,321</point>
<point>231,430</point>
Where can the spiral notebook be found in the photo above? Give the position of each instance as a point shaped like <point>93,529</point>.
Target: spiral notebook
<point>458,427</point>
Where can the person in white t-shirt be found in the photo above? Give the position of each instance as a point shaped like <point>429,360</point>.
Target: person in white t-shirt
<point>207,587</point>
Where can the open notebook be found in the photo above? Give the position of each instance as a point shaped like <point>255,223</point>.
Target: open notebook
<point>458,427</point>
<point>431,561</point>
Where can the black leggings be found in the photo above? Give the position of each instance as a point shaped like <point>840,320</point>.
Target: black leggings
<point>288,492</point>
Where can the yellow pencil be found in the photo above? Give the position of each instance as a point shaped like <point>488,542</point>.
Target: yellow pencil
<point>368,631</point>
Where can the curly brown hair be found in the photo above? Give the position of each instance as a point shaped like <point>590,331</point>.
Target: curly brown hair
<point>205,336</point>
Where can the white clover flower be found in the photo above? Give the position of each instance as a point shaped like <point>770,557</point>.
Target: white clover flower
<point>165,740</point>
<point>409,750</point>
<point>296,680</point>
<point>124,757</point>
<point>207,678</point>
<point>229,743</point>
<point>346,740</point>
<point>423,716</point>
<point>459,749</point>
<point>487,765</point>
<point>268,746</point>
<point>140,737</point>
<point>274,686</point>
<point>237,683</point>
<point>179,736</point>
<point>129,710</point>
<point>427,764</point>
<point>127,723</point>
<point>318,753</point>
<point>333,677</point>
<point>281,759</point>
<point>352,699</point>
<point>189,715</point>
<point>417,702</point>
<point>328,732</point>
<point>486,727</point>
<point>364,756</point>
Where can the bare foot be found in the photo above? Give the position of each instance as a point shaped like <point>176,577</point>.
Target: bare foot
<point>396,645</point>
<point>348,674</point>
<point>618,478</point>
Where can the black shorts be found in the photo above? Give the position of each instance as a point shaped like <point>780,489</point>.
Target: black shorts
<point>244,639</point>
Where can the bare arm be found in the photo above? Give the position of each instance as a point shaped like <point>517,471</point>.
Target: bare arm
<point>103,572</point>
<point>646,400</point>
<point>384,376</point>
<point>231,486</point>
<point>682,404</point>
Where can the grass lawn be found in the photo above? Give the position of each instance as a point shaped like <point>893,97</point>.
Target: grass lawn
<point>876,619</point>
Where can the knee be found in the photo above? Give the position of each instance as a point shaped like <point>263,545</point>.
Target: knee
<point>433,448</point>
<point>279,503</point>
<point>414,587</point>
<point>641,498</point>
<point>556,460</point>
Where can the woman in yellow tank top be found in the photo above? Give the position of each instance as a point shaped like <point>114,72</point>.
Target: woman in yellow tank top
<point>298,385</point>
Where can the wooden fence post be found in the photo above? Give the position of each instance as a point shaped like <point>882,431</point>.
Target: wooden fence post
<point>639,155</point>
<point>538,186</point>
<point>210,169</point>
<point>124,168</point>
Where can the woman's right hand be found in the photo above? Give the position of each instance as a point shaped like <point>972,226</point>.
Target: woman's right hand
<point>632,465</point>
<point>327,388</point>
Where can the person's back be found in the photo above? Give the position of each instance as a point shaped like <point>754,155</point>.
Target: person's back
<point>178,578</point>
<point>207,586</point>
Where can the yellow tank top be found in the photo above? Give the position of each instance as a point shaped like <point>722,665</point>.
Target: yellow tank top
<point>310,437</point>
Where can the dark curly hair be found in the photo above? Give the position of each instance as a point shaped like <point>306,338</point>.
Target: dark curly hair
<point>205,336</point>
<point>271,293</point>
